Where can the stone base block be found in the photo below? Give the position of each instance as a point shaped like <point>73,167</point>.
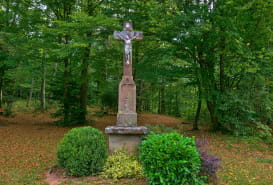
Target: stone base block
<point>127,119</point>
<point>124,137</point>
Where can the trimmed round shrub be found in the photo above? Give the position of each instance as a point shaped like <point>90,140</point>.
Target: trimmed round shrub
<point>171,159</point>
<point>82,151</point>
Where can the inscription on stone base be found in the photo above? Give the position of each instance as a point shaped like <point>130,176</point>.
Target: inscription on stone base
<point>127,95</point>
<point>126,142</point>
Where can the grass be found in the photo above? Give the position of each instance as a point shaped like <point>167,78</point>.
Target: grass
<point>28,145</point>
<point>239,160</point>
<point>261,160</point>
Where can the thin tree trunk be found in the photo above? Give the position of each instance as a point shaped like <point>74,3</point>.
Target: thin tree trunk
<point>50,94</point>
<point>163,103</point>
<point>149,106</point>
<point>139,97</point>
<point>197,115</point>
<point>199,106</point>
<point>222,74</point>
<point>21,91</point>
<point>222,67</point>
<point>55,70</point>
<point>43,84</point>
<point>176,104</point>
<point>84,85</point>
<point>1,96</point>
<point>213,117</point>
<point>65,92</point>
<point>30,92</point>
<point>99,101</point>
<point>159,101</point>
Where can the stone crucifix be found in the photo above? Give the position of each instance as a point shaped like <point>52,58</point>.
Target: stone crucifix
<point>127,115</point>
<point>128,35</point>
<point>126,134</point>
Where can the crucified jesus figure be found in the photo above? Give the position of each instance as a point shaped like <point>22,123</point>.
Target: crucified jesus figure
<point>127,36</point>
<point>128,47</point>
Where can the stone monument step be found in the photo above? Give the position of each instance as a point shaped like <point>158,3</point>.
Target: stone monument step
<point>135,130</point>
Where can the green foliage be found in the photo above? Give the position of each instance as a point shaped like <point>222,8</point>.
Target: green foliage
<point>263,131</point>
<point>236,116</point>
<point>82,151</point>
<point>261,160</point>
<point>246,113</point>
<point>122,165</point>
<point>191,50</point>
<point>170,159</point>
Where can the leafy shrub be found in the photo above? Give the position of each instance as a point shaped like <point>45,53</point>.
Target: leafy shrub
<point>209,163</point>
<point>82,151</point>
<point>122,165</point>
<point>170,159</point>
<point>246,113</point>
<point>263,131</point>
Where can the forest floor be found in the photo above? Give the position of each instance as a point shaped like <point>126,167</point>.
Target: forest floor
<point>28,143</point>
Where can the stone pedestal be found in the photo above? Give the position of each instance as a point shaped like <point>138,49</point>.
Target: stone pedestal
<point>127,138</point>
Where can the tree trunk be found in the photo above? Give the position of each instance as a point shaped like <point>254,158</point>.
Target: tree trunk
<point>20,91</point>
<point>43,83</point>
<point>30,92</point>
<point>197,115</point>
<point>161,104</point>
<point>209,84</point>
<point>222,68</point>
<point>139,97</point>
<point>213,117</point>
<point>55,70</point>
<point>177,113</point>
<point>222,74</point>
<point>199,106</point>
<point>159,101</point>
<point>65,92</point>
<point>84,85</point>
<point>1,96</point>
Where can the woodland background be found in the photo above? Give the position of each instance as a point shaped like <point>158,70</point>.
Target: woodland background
<point>199,59</point>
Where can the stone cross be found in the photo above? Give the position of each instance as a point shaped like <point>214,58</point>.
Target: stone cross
<point>127,115</point>
<point>127,35</point>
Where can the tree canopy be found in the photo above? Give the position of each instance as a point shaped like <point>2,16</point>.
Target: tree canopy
<point>199,59</point>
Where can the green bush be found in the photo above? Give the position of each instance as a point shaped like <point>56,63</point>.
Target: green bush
<point>263,131</point>
<point>82,151</point>
<point>122,165</point>
<point>170,159</point>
